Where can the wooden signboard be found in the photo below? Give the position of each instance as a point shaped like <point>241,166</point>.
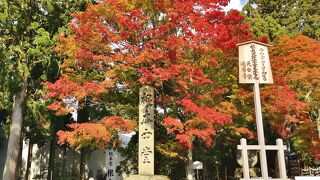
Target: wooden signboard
<point>254,63</point>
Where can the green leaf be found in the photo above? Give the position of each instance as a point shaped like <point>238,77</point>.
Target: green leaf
<point>33,26</point>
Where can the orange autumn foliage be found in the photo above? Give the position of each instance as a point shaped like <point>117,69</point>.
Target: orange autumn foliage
<point>164,44</point>
<point>95,135</point>
<point>64,88</point>
<point>296,63</point>
<point>297,59</point>
<point>202,124</point>
<point>282,108</point>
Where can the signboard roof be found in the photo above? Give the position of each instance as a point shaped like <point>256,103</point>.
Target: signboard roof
<point>197,165</point>
<point>256,42</point>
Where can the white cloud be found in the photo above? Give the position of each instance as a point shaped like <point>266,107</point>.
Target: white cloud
<point>235,4</point>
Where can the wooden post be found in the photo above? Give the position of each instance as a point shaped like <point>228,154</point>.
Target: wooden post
<point>281,159</point>
<point>254,67</point>
<point>245,161</point>
<point>263,154</point>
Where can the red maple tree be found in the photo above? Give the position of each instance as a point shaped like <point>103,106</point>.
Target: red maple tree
<point>296,63</point>
<point>158,43</point>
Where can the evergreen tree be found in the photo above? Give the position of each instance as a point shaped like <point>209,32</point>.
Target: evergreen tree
<point>278,17</point>
<point>27,31</point>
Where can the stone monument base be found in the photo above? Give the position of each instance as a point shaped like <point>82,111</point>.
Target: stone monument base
<point>254,172</point>
<point>146,177</point>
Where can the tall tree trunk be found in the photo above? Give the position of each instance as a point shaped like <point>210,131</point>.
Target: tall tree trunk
<point>76,164</point>
<point>225,173</point>
<point>189,168</point>
<point>12,158</point>
<point>82,163</point>
<point>217,172</point>
<point>318,122</point>
<point>29,160</point>
<point>276,167</point>
<point>64,157</point>
<point>52,156</point>
<point>19,164</point>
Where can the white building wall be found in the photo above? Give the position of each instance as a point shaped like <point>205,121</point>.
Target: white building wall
<point>104,162</point>
<point>97,161</point>
<point>39,160</point>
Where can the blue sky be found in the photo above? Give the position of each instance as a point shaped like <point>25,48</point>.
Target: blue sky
<point>236,4</point>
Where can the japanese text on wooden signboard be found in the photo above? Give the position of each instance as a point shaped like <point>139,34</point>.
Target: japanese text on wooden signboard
<point>254,64</point>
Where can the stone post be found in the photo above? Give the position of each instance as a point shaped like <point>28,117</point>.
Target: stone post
<point>146,137</point>
<point>146,131</point>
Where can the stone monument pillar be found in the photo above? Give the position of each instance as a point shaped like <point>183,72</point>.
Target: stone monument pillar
<point>146,137</point>
<point>146,131</point>
<point>112,157</point>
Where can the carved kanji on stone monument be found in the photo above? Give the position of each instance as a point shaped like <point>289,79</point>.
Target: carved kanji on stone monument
<point>146,131</point>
